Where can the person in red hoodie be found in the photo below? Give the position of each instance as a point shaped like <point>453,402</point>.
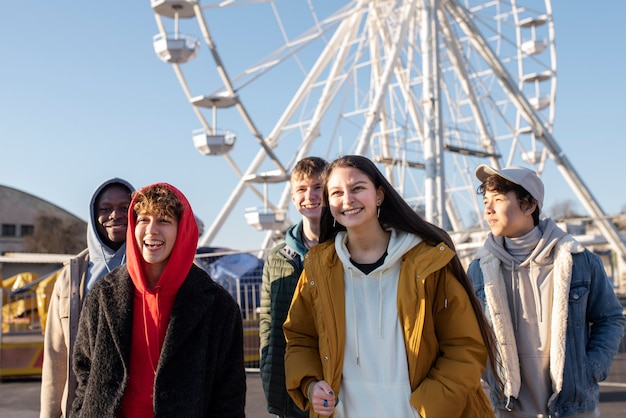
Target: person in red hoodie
<point>157,336</point>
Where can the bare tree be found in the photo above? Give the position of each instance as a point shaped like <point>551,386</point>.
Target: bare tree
<point>565,209</point>
<point>52,234</point>
<point>620,221</point>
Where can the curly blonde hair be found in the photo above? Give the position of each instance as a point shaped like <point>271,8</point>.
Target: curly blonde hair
<point>158,199</point>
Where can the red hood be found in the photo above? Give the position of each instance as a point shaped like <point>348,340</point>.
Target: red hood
<point>182,256</point>
<point>152,308</point>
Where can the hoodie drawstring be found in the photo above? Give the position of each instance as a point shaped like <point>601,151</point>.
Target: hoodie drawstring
<point>514,286</point>
<point>380,304</point>
<point>146,328</point>
<point>536,291</point>
<point>354,314</point>
<point>356,332</point>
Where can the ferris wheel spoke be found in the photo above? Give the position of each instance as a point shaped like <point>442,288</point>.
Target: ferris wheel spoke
<point>427,93</point>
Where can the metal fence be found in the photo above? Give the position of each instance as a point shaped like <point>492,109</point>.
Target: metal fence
<point>20,316</point>
<point>23,313</point>
<point>248,298</point>
<point>241,274</point>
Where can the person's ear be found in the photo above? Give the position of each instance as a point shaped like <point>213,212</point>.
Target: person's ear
<point>380,195</point>
<point>530,207</point>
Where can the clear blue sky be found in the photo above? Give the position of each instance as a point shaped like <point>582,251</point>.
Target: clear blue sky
<point>83,97</point>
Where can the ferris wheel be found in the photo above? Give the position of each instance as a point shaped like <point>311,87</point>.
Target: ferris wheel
<point>428,89</point>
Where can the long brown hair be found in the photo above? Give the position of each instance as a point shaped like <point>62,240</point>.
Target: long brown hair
<point>396,213</point>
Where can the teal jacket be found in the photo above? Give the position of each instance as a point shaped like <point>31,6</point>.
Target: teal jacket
<point>281,272</point>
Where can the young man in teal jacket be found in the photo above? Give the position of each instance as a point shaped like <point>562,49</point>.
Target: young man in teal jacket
<point>281,272</point>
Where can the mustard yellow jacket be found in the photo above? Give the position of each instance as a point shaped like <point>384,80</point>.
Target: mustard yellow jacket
<point>444,347</point>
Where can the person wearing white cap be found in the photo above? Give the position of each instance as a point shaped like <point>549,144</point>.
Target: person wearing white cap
<point>557,321</point>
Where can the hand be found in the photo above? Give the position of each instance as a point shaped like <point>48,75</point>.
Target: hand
<point>322,398</point>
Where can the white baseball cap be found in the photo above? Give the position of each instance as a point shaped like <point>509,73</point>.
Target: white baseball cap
<point>521,176</point>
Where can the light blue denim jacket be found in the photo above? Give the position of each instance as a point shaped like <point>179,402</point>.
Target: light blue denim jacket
<point>595,326</point>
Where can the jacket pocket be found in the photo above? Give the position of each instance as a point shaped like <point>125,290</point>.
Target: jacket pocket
<point>64,307</point>
<point>578,296</point>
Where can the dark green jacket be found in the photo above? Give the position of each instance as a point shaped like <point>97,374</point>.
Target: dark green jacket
<point>281,272</point>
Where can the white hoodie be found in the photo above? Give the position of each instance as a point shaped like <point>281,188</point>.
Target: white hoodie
<point>375,381</point>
